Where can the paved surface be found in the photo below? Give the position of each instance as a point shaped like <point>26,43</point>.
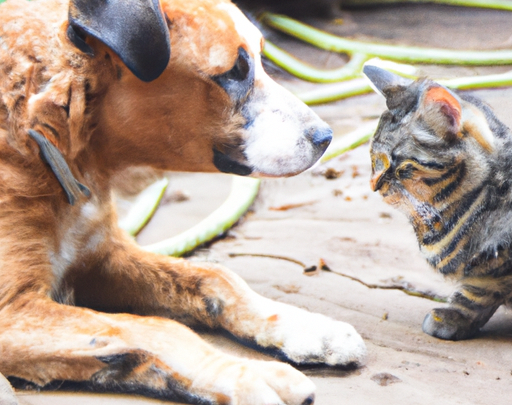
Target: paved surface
<point>362,240</point>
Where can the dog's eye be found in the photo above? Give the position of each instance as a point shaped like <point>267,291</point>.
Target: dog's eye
<point>241,68</point>
<point>239,80</point>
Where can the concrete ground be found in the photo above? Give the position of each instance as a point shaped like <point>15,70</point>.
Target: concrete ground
<point>378,282</point>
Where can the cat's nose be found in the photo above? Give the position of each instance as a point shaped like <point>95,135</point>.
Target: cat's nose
<point>377,180</point>
<point>380,166</point>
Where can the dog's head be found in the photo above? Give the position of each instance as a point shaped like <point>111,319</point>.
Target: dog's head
<point>209,106</point>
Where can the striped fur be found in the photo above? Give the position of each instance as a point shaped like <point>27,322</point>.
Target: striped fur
<point>444,159</point>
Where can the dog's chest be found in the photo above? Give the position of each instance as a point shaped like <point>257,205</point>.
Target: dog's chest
<point>79,239</point>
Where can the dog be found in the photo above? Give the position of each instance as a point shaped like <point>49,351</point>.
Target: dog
<point>89,91</point>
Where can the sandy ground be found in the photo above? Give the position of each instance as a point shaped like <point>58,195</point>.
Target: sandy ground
<point>369,247</point>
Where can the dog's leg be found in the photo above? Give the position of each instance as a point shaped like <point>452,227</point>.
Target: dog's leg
<point>43,341</point>
<point>214,296</point>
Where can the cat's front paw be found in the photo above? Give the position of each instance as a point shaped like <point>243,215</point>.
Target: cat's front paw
<point>308,338</point>
<point>449,324</point>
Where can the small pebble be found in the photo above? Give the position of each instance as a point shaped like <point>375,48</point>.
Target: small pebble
<point>384,379</point>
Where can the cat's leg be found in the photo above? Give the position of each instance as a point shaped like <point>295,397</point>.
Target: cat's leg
<point>470,307</point>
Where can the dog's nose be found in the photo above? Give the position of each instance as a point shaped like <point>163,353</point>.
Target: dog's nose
<point>322,137</point>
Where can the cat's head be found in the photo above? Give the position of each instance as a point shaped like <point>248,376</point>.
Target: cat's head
<point>431,146</point>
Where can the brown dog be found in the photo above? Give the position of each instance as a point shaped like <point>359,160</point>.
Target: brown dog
<point>87,92</point>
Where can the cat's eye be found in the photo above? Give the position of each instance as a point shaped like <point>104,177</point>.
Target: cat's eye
<point>405,170</point>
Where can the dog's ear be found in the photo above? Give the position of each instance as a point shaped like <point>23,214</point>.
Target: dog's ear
<point>135,30</point>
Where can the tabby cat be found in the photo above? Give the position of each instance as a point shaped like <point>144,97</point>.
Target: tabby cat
<point>446,161</point>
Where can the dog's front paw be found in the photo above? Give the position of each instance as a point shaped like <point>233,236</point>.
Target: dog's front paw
<point>308,338</point>
<point>256,382</point>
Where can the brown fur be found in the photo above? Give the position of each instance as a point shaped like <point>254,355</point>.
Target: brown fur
<point>57,259</point>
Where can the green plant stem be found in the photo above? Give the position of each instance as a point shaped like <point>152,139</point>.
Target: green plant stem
<point>492,4</point>
<point>350,141</point>
<point>143,207</point>
<point>307,72</point>
<point>478,82</point>
<point>410,54</point>
<point>337,91</point>
<point>243,193</point>
<point>350,88</point>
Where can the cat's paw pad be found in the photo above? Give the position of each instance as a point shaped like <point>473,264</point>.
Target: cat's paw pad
<point>449,324</point>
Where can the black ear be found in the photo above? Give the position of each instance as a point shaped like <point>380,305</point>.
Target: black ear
<point>398,91</point>
<point>384,81</point>
<point>135,30</point>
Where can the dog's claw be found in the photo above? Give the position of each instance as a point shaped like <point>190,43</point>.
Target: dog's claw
<point>53,157</point>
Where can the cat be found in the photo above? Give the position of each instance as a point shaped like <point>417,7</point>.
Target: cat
<point>445,160</point>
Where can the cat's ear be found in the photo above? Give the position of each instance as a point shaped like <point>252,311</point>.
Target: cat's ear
<point>383,81</point>
<point>475,125</point>
<point>442,112</point>
<point>389,84</point>
<point>453,118</point>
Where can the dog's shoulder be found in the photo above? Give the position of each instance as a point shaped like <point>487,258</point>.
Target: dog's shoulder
<point>44,78</point>
<point>28,29</point>
<point>29,54</point>
<point>34,89</point>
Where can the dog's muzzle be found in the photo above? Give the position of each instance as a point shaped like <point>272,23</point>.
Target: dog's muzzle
<point>281,136</point>
<point>234,161</point>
